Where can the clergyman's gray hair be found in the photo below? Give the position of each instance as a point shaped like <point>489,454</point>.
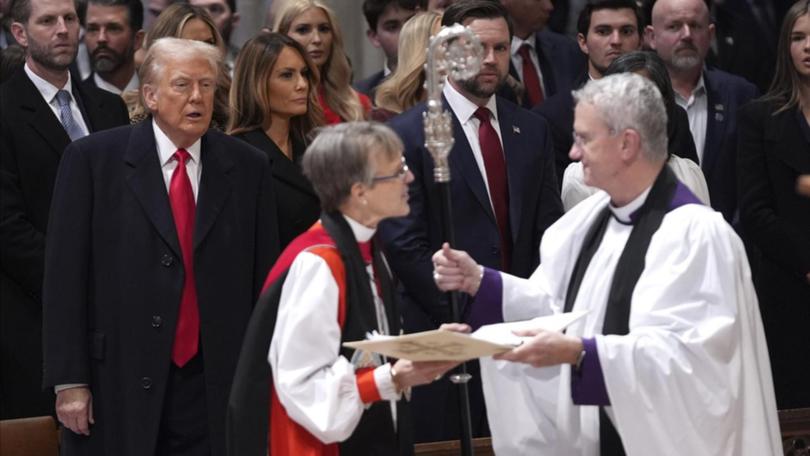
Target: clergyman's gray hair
<point>169,49</point>
<point>630,101</point>
<point>340,156</point>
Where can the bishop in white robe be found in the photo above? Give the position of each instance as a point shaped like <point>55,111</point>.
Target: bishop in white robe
<point>669,360</point>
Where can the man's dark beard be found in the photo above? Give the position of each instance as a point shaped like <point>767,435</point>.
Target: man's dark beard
<point>473,88</point>
<point>108,63</point>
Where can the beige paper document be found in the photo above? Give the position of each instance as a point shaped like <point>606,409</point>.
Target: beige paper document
<point>438,345</point>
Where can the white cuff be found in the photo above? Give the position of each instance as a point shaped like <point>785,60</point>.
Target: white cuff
<point>385,383</point>
<point>59,388</point>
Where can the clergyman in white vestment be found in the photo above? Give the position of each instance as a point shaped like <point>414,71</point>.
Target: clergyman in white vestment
<point>671,358</point>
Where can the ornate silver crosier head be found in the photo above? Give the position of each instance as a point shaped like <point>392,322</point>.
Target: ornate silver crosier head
<point>455,52</point>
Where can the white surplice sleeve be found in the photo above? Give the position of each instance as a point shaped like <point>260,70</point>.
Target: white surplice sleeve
<point>315,384</point>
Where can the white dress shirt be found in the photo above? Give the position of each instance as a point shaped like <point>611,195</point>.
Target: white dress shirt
<point>48,92</point>
<point>166,150</point>
<point>697,109</point>
<point>464,110</point>
<point>133,84</point>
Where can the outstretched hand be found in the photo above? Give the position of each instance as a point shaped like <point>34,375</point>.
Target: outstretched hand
<point>456,270</point>
<point>545,348</point>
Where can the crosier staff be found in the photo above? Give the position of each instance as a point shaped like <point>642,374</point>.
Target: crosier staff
<point>454,52</point>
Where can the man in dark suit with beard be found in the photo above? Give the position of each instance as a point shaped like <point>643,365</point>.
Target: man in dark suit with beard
<point>160,238</point>
<point>504,195</point>
<point>43,110</point>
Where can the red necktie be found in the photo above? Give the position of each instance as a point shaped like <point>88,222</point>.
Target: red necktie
<point>181,197</point>
<point>534,93</point>
<point>495,165</point>
<point>365,251</point>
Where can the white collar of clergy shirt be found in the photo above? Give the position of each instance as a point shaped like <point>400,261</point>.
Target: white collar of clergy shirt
<point>464,108</point>
<point>624,214</point>
<point>166,148</point>
<point>361,232</point>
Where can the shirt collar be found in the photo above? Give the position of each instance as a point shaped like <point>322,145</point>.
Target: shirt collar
<point>44,87</point>
<point>464,108</point>
<point>166,148</point>
<point>700,90</point>
<point>361,232</point>
<point>102,84</point>
<point>626,214</point>
<point>517,43</point>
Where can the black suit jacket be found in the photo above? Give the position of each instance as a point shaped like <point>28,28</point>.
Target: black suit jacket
<point>561,62</point>
<point>534,204</point>
<point>31,143</point>
<point>296,202</point>
<point>114,277</point>
<point>773,152</point>
<point>726,93</point>
<point>89,81</point>
<point>746,40</point>
<point>369,85</point>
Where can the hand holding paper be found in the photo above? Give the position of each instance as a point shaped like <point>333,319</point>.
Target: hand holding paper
<point>443,345</point>
<point>544,348</point>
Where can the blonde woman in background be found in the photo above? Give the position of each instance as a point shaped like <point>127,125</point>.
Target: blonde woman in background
<point>406,86</point>
<point>315,27</point>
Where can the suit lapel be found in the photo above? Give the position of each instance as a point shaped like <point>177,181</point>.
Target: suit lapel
<point>41,117</point>
<point>715,122</point>
<point>215,186</point>
<point>515,166</point>
<point>146,181</point>
<point>85,105</point>
<point>462,163</point>
<point>545,49</point>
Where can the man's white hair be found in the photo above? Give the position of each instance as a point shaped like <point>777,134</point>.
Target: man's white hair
<point>629,101</point>
<point>176,49</point>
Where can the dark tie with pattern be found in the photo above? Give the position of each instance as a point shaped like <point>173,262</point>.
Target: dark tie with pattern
<point>181,197</point>
<point>534,93</point>
<point>66,115</point>
<point>495,165</point>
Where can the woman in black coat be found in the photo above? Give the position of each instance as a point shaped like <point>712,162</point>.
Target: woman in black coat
<point>773,151</point>
<point>273,107</point>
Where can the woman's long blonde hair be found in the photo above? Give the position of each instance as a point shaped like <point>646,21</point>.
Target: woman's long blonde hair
<point>404,88</point>
<point>336,73</point>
